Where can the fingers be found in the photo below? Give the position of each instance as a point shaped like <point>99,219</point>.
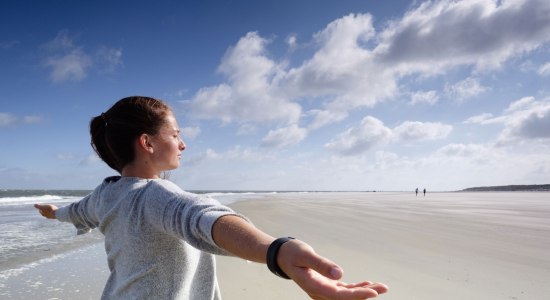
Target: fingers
<point>46,210</point>
<point>380,288</point>
<point>359,290</point>
<point>352,285</point>
<point>300,254</point>
<point>43,208</point>
<point>321,288</point>
<point>324,267</point>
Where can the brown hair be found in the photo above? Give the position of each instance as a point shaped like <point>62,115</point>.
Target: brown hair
<point>114,132</point>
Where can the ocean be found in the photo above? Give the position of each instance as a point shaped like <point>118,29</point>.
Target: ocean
<point>27,238</point>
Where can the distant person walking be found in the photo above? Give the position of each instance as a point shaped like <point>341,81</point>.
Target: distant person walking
<point>417,191</point>
<point>424,192</point>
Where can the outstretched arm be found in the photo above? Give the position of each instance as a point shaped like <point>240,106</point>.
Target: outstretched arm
<point>46,210</point>
<point>316,275</point>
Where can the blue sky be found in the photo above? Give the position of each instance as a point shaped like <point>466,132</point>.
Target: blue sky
<point>285,95</point>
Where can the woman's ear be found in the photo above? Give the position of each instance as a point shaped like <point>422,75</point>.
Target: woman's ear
<point>145,143</point>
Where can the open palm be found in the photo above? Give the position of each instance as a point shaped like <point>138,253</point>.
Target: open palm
<point>320,278</point>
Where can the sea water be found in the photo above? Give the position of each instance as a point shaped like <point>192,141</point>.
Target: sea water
<point>26,237</point>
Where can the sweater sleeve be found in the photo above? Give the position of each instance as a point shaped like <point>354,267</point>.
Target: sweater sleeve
<point>81,214</point>
<point>191,218</point>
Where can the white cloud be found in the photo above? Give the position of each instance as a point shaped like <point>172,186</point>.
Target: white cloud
<point>484,33</point>
<point>209,154</point>
<point>7,119</point>
<point>342,71</point>
<point>108,59</point>
<point>522,103</point>
<point>536,124</point>
<point>72,66</point>
<point>251,94</point>
<point>69,62</point>
<point>387,161</point>
<point>491,165</point>
<point>62,41</point>
<point>471,165</point>
<point>417,131</point>
<point>429,39</point>
<point>325,117</point>
<point>355,66</point>
<point>478,119</point>
<point>89,160</point>
<point>464,150</point>
<point>237,154</point>
<point>65,156</point>
<point>530,123</point>
<point>524,120</point>
<point>544,70</point>
<point>465,89</point>
<point>372,132</point>
<point>427,97</point>
<point>292,42</point>
<point>477,164</point>
<point>246,129</point>
<point>32,119</point>
<point>190,132</point>
<point>357,140</point>
<point>284,137</point>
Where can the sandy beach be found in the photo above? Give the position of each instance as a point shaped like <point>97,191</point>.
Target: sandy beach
<point>442,246</point>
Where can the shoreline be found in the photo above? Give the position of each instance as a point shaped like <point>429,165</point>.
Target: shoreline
<point>47,251</point>
<point>79,273</point>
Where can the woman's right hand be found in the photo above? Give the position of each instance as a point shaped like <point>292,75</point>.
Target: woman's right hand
<point>46,210</point>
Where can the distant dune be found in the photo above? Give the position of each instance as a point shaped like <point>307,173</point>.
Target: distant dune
<point>510,188</point>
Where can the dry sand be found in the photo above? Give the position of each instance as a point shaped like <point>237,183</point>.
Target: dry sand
<point>443,246</point>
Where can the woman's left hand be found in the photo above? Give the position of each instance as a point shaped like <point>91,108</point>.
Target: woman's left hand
<point>320,277</point>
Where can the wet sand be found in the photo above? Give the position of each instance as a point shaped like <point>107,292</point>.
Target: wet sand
<point>442,246</point>
<point>76,274</point>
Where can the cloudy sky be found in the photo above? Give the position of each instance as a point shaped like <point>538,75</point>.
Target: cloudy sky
<point>285,94</point>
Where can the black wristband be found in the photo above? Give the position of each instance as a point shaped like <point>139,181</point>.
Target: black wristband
<point>272,253</point>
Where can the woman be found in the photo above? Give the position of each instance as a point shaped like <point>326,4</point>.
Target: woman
<point>159,239</point>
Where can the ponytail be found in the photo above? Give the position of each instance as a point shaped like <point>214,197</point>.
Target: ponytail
<point>98,128</point>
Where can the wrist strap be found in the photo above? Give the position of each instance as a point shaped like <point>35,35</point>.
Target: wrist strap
<point>272,253</point>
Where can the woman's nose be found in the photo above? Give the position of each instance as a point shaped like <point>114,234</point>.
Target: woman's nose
<point>182,145</point>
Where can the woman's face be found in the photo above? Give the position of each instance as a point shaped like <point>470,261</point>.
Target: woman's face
<point>167,145</point>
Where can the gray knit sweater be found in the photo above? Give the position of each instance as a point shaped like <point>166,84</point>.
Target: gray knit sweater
<point>158,238</point>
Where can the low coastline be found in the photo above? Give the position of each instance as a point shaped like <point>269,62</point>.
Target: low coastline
<point>510,188</point>
<point>438,246</point>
